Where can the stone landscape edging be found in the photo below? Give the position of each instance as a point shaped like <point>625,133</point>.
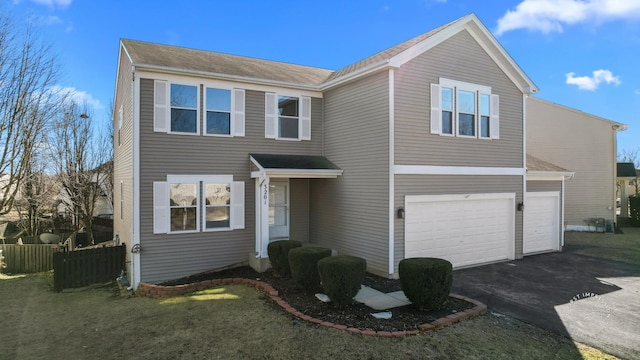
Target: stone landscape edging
<point>159,291</point>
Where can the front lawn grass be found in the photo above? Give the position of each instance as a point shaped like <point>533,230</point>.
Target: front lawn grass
<point>231,322</point>
<point>617,247</point>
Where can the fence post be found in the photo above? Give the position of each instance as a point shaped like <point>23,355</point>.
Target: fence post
<point>58,271</point>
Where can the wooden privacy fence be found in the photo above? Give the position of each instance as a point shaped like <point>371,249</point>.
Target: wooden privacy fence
<point>28,258</point>
<point>80,268</point>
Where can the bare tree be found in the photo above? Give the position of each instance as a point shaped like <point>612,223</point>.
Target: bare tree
<point>36,196</point>
<point>28,98</point>
<point>80,163</point>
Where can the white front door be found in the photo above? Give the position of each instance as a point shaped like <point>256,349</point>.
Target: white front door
<point>279,209</point>
<point>541,222</point>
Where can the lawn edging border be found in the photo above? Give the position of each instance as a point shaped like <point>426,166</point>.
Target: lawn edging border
<point>159,291</point>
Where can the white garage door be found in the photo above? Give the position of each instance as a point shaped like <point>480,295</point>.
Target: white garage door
<point>464,229</point>
<point>541,222</point>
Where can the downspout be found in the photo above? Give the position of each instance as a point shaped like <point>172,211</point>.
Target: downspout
<point>135,184</point>
<point>524,167</point>
<point>391,172</point>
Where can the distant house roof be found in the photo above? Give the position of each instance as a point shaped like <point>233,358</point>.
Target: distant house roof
<point>625,169</point>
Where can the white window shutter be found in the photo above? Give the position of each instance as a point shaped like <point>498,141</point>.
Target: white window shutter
<point>305,118</point>
<point>495,117</point>
<point>237,205</point>
<point>237,114</point>
<point>160,106</point>
<point>270,115</point>
<point>436,110</point>
<point>160,207</point>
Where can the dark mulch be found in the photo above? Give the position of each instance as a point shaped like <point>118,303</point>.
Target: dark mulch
<point>357,316</point>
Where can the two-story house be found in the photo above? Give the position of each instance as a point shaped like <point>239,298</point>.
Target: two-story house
<point>418,150</point>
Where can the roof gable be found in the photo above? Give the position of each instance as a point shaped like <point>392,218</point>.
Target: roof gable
<point>402,53</point>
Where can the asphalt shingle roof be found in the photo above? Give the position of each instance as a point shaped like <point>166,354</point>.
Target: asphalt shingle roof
<point>535,164</point>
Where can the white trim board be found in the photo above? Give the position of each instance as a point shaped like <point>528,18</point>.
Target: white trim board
<point>455,170</point>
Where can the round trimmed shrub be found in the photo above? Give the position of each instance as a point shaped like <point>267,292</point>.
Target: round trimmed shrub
<point>342,277</point>
<point>278,252</point>
<point>426,282</point>
<point>304,265</point>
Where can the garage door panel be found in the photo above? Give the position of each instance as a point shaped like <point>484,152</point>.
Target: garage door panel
<point>541,225</point>
<point>465,230</point>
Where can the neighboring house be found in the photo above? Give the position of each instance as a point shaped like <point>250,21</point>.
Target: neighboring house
<point>418,150</point>
<point>585,144</point>
<point>627,179</point>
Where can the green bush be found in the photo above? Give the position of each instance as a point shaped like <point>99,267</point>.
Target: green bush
<point>426,282</point>
<point>304,265</point>
<point>342,277</point>
<point>278,252</point>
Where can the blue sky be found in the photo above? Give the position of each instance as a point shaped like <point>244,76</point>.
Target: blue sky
<point>580,53</point>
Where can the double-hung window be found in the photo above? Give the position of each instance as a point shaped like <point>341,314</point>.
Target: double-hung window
<point>194,203</point>
<point>218,111</point>
<point>287,117</point>
<point>464,110</point>
<point>184,108</point>
<point>177,108</point>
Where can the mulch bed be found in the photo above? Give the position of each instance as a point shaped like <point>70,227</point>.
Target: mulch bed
<point>359,316</point>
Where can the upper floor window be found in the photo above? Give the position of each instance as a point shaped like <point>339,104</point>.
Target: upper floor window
<point>177,108</point>
<point>218,107</point>
<point>287,117</point>
<point>184,108</point>
<point>464,110</point>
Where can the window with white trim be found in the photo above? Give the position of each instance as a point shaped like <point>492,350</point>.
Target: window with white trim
<point>121,200</point>
<point>177,109</point>
<point>464,110</point>
<point>287,117</point>
<point>193,203</point>
<point>184,108</point>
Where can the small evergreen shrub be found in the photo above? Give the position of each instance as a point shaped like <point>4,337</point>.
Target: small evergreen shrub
<point>426,282</point>
<point>342,277</point>
<point>304,265</point>
<point>278,252</point>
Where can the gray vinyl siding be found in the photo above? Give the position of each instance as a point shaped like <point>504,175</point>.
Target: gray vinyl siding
<point>299,210</point>
<point>541,186</point>
<point>581,143</point>
<point>459,58</point>
<point>453,184</point>
<point>349,214</point>
<point>123,154</point>
<point>167,256</point>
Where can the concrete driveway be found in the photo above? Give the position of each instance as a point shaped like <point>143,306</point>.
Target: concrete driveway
<point>588,299</point>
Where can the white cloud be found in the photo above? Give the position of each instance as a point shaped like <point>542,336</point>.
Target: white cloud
<point>79,97</point>
<point>53,3</point>
<point>551,15</point>
<point>592,82</point>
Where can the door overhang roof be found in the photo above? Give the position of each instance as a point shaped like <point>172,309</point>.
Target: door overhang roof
<point>293,166</point>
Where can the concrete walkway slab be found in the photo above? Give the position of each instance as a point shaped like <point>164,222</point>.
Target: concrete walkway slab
<point>380,301</point>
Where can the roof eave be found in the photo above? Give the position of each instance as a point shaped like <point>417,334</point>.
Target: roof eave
<point>550,174</point>
<point>298,173</point>
<point>220,76</point>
